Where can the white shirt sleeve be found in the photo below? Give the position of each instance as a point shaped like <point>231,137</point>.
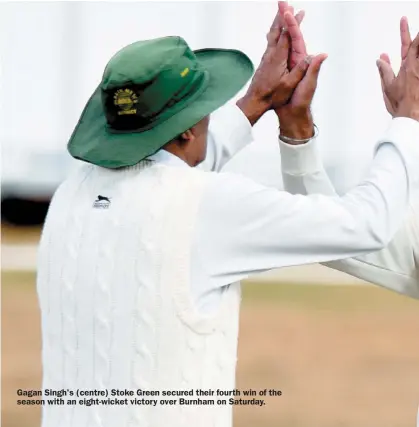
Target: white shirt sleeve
<point>229,131</point>
<point>393,267</point>
<point>244,228</point>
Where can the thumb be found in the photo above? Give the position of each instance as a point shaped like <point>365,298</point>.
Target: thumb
<point>385,58</point>
<point>386,73</point>
<point>309,82</point>
<point>315,65</point>
<point>297,73</point>
<point>300,16</point>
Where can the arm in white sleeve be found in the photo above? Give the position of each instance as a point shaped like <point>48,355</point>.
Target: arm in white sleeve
<point>229,131</point>
<point>302,170</point>
<point>395,267</point>
<point>244,228</point>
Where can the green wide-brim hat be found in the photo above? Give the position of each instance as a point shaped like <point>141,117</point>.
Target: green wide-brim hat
<point>151,92</point>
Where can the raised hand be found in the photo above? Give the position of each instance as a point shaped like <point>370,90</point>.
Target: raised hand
<point>402,92</point>
<point>295,116</point>
<point>298,46</point>
<point>295,119</point>
<point>273,82</point>
<point>384,64</point>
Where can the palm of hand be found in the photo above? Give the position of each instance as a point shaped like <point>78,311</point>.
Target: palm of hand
<point>390,88</point>
<point>390,94</point>
<point>391,104</point>
<point>391,108</point>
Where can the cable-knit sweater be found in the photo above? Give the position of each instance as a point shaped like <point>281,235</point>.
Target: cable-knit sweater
<point>114,291</point>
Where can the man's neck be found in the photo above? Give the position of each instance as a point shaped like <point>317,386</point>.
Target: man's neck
<point>164,156</point>
<point>176,151</point>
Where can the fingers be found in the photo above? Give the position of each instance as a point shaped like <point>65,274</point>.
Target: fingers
<point>274,35</point>
<point>282,49</point>
<point>300,16</point>
<point>386,73</point>
<point>405,38</point>
<point>305,90</point>
<point>282,7</point>
<point>275,30</point>
<point>297,73</point>
<point>290,10</point>
<point>297,39</point>
<point>385,58</point>
<point>309,83</point>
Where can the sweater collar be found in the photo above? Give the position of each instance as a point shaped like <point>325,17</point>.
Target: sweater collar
<point>166,158</point>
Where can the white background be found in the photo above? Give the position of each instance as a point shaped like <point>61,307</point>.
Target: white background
<point>53,55</point>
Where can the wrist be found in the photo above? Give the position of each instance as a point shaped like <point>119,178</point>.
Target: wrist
<point>252,108</point>
<point>411,113</point>
<point>298,126</point>
<point>295,141</point>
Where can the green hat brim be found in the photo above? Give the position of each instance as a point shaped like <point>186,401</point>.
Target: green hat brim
<point>229,71</point>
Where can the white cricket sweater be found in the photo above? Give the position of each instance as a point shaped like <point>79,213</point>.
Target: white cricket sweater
<point>117,313</point>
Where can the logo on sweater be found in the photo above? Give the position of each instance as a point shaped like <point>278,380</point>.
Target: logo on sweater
<point>102,202</point>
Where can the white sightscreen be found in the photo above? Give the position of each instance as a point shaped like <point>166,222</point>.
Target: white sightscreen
<point>53,55</point>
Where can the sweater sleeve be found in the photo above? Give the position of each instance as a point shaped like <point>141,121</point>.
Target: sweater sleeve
<point>396,266</point>
<point>245,228</point>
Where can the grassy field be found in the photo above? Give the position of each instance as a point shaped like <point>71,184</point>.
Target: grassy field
<point>342,356</point>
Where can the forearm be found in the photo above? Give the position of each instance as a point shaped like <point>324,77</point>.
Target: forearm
<point>260,228</point>
<point>393,267</point>
<point>305,160</point>
<point>252,108</point>
<point>396,266</point>
<point>303,171</point>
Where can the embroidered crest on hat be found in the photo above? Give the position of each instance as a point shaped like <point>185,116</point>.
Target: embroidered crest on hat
<point>152,91</point>
<point>125,99</point>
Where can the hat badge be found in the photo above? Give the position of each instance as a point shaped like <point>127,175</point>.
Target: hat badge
<point>125,100</point>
